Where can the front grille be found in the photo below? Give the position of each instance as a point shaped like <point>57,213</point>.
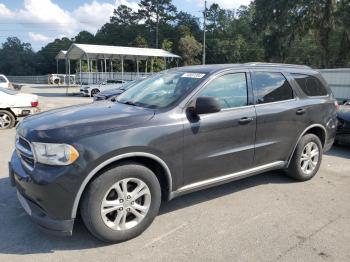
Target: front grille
<point>24,143</point>
<point>25,152</point>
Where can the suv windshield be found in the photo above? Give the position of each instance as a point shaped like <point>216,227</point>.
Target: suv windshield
<point>127,85</point>
<point>162,90</point>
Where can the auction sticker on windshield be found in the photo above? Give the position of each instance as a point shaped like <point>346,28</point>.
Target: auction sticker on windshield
<point>193,75</point>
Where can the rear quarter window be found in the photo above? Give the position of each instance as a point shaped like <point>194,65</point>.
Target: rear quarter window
<point>310,85</point>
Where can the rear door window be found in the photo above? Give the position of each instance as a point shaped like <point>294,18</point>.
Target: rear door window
<point>271,87</point>
<point>2,79</point>
<point>310,85</point>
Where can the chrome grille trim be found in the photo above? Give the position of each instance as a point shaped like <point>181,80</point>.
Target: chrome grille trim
<point>23,152</point>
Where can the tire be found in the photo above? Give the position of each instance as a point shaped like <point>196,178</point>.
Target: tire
<point>7,119</point>
<point>94,92</point>
<point>303,170</point>
<point>100,224</point>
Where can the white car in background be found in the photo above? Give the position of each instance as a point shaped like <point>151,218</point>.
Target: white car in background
<point>94,89</point>
<point>14,105</point>
<point>4,82</point>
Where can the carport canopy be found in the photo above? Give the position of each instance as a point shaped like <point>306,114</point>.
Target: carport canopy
<point>92,52</point>
<point>61,55</point>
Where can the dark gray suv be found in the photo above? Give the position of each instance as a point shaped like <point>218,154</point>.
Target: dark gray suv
<point>176,132</point>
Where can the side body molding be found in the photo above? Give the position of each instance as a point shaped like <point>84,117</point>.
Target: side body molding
<point>303,133</point>
<point>111,160</point>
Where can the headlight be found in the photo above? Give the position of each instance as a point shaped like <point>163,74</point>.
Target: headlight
<point>55,154</point>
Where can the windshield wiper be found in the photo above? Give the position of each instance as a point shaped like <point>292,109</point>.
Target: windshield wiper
<point>131,103</point>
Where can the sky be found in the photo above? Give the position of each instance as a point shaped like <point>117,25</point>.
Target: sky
<point>41,21</point>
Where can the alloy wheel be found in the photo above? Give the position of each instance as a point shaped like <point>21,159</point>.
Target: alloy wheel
<point>5,120</point>
<point>309,158</point>
<point>126,204</point>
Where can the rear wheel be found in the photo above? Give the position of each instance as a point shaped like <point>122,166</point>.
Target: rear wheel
<point>307,158</point>
<point>7,119</point>
<point>121,203</point>
<point>94,92</point>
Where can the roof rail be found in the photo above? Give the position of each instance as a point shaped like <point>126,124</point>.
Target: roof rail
<point>276,65</point>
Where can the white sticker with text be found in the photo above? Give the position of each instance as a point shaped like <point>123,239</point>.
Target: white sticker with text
<point>193,75</point>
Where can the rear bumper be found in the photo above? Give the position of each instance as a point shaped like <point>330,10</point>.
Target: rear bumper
<point>24,111</point>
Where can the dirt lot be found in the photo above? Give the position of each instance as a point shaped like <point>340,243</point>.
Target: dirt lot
<point>268,217</point>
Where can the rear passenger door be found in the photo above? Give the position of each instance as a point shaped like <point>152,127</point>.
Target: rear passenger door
<point>279,117</point>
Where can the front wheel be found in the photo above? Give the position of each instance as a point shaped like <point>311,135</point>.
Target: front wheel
<point>94,92</point>
<point>307,158</point>
<point>121,203</point>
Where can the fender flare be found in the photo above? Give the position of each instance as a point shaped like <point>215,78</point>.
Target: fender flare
<point>302,134</point>
<point>111,160</point>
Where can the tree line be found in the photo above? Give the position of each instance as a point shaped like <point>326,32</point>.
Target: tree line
<point>311,32</point>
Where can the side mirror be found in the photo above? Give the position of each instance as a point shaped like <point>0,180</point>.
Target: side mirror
<point>207,105</point>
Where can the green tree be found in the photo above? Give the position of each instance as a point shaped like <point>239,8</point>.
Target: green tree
<point>189,21</point>
<point>84,37</point>
<point>155,13</point>
<point>16,57</point>
<point>140,41</point>
<point>190,49</point>
<point>124,15</point>
<point>45,58</point>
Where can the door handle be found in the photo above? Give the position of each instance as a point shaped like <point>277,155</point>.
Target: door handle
<point>245,120</point>
<point>301,111</point>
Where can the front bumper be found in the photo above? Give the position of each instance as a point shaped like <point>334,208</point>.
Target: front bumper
<point>56,227</point>
<point>48,204</point>
<point>84,92</point>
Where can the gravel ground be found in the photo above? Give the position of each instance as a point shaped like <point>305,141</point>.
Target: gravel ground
<point>267,217</point>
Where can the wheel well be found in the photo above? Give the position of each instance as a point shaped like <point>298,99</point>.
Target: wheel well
<point>10,111</point>
<point>150,163</point>
<point>319,132</point>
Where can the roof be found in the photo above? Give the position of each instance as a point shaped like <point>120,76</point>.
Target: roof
<point>82,51</point>
<point>61,55</point>
<point>217,67</point>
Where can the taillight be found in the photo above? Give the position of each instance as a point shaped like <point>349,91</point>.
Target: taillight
<point>35,103</point>
<point>337,107</point>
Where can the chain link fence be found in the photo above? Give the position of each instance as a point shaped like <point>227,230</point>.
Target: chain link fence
<point>338,79</point>
<point>79,78</point>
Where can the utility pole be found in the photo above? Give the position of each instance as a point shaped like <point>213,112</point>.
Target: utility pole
<point>204,29</point>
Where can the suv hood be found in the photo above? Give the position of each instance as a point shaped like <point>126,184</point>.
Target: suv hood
<point>61,125</point>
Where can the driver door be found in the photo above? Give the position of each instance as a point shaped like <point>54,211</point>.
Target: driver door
<point>221,143</point>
